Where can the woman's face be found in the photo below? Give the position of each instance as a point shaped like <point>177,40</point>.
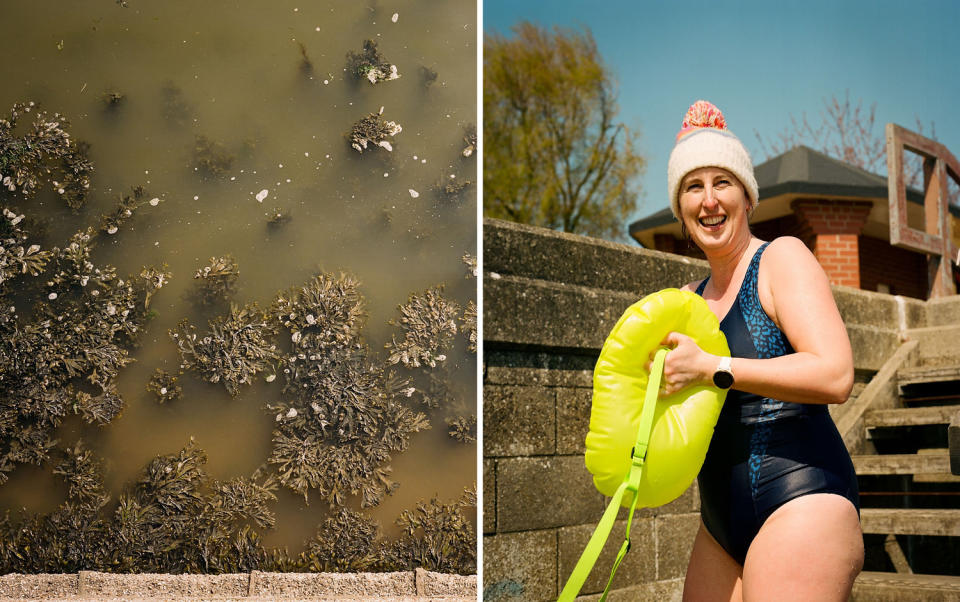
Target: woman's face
<point>713,207</point>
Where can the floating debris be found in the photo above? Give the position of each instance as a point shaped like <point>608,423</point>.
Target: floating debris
<point>45,152</point>
<point>395,17</point>
<point>211,159</point>
<point>164,384</point>
<point>462,428</point>
<point>373,129</point>
<point>277,217</point>
<point>370,65</point>
<point>427,76</point>
<point>429,324</point>
<point>470,139</point>
<point>262,195</point>
<point>471,262</point>
<point>306,65</point>
<point>235,348</point>
<point>450,189</point>
<point>112,100</point>
<point>413,193</point>
<point>217,281</point>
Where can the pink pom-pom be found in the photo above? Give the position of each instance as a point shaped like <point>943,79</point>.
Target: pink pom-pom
<point>702,114</point>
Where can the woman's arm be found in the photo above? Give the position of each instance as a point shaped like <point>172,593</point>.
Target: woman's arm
<point>796,294</point>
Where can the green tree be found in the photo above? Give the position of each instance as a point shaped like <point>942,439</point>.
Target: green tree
<point>554,155</point>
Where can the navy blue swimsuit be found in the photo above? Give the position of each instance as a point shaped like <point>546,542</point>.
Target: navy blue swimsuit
<point>765,452</point>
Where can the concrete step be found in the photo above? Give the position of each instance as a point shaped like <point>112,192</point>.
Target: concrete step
<point>926,463</point>
<point>938,345</point>
<point>929,374</point>
<point>905,587</point>
<point>910,521</point>
<point>910,416</point>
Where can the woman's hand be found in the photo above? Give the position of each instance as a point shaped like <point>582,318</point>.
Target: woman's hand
<point>685,364</point>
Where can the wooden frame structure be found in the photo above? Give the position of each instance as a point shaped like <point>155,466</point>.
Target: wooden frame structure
<point>934,240</point>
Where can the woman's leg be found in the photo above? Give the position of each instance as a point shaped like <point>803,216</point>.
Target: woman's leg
<point>711,575</point>
<point>811,548</point>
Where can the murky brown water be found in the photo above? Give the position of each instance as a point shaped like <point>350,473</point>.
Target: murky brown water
<point>238,66</point>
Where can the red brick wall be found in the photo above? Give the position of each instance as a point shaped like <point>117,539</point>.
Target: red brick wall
<point>905,272</point>
<point>840,258</point>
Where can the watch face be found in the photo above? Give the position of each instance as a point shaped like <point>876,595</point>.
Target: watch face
<point>722,379</point>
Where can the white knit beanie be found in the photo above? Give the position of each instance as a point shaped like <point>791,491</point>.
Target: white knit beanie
<point>705,141</point>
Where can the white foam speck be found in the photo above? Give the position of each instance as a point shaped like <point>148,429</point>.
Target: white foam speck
<point>262,195</point>
<point>413,193</point>
<point>395,17</point>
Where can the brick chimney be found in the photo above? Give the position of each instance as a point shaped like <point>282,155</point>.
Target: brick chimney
<point>832,230</point>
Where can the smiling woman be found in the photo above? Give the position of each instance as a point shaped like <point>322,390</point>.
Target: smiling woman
<point>777,482</point>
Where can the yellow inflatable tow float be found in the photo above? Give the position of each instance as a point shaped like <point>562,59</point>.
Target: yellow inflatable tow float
<point>643,450</point>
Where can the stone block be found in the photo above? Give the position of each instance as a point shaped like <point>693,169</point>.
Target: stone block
<point>540,493</point>
<point>573,419</point>
<point>867,308</point>
<point>512,367</point>
<point>520,567</point>
<point>521,250</point>
<point>675,535</point>
<point>434,585</point>
<point>638,566</point>
<point>332,585</point>
<point>489,496</point>
<point>943,311</point>
<point>519,421</point>
<point>171,587</point>
<point>939,345</point>
<point>871,346</point>
<point>535,313</point>
<point>44,586</point>
<point>669,590</point>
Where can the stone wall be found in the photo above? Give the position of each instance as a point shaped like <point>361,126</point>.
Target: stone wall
<point>549,300</point>
<point>409,586</point>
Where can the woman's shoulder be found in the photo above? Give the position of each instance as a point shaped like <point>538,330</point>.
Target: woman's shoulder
<point>787,250</point>
<point>692,286</point>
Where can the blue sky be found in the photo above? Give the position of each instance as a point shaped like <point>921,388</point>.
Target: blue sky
<point>760,62</point>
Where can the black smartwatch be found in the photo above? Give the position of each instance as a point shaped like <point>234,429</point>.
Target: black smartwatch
<point>723,376</point>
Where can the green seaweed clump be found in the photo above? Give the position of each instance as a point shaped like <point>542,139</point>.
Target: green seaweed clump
<point>64,358</point>
<point>211,159</point>
<point>217,281</point>
<point>373,130</point>
<point>462,428</point>
<point>370,65</point>
<point>236,347</point>
<point>434,536</point>
<point>429,324</point>
<point>437,537</point>
<point>110,223</point>
<point>164,385</point>
<point>346,542</point>
<point>46,152</point>
<point>171,520</point>
<point>342,417</point>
